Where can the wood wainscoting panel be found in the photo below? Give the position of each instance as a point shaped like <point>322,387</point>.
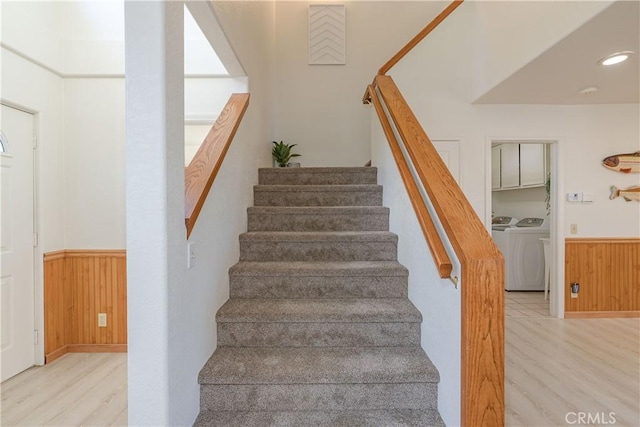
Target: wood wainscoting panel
<point>608,271</point>
<point>55,309</point>
<point>79,284</point>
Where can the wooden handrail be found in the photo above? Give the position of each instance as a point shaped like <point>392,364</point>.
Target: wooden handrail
<point>438,252</point>
<point>418,38</point>
<point>481,264</point>
<point>204,166</point>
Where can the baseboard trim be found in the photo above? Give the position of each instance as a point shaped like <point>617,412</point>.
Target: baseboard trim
<point>57,353</point>
<point>600,314</point>
<point>85,253</point>
<point>85,348</point>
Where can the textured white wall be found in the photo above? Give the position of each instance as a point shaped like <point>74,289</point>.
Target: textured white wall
<point>172,310</point>
<point>156,243</point>
<point>437,299</point>
<point>94,164</point>
<point>319,107</point>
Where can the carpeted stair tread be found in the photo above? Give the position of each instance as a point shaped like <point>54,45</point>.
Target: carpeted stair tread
<point>318,195</point>
<point>312,210</point>
<point>318,365</point>
<point>318,218</point>
<point>318,330</point>
<point>318,246</point>
<point>365,418</point>
<point>319,236</point>
<point>311,268</point>
<point>318,397</point>
<point>338,279</point>
<point>353,188</point>
<point>370,310</point>
<point>318,175</point>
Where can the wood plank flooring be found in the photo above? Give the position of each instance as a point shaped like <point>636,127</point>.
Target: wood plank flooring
<point>555,370</point>
<point>88,389</point>
<point>558,370</point>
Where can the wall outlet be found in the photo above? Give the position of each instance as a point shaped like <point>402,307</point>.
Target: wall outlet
<point>574,295</point>
<point>102,320</point>
<point>574,228</point>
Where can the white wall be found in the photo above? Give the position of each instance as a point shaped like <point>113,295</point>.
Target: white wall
<point>534,24</point>
<point>437,299</point>
<point>223,217</point>
<point>92,40</point>
<point>33,29</point>
<point>36,89</point>
<point>319,106</point>
<point>177,304</point>
<point>94,163</point>
<point>84,43</point>
<point>92,37</point>
<point>521,203</point>
<point>442,102</point>
<point>585,134</point>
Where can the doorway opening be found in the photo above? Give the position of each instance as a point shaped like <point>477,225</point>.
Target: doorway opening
<point>524,186</point>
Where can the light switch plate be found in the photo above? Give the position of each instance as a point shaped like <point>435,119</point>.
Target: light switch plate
<point>574,197</point>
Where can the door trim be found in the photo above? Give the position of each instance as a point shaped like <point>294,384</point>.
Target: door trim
<point>557,209</point>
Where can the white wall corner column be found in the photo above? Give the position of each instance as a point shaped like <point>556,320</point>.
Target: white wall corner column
<point>154,64</point>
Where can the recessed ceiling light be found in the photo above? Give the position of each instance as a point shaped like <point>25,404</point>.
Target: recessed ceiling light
<point>615,58</point>
<point>588,90</point>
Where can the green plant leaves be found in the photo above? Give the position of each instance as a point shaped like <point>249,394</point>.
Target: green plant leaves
<point>281,152</point>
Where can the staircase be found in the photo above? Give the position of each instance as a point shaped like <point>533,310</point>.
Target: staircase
<point>318,329</point>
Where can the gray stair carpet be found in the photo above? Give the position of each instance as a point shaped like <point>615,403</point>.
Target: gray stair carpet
<point>318,330</point>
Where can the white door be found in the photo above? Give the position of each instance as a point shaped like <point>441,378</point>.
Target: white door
<point>16,243</point>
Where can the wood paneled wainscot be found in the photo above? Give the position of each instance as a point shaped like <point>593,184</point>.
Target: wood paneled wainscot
<point>78,285</point>
<point>608,271</point>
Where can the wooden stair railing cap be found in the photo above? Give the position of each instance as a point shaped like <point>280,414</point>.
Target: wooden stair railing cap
<point>204,166</point>
<point>436,247</point>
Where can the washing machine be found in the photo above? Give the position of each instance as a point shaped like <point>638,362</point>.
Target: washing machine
<point>523,253</point>
<point>502,222</point>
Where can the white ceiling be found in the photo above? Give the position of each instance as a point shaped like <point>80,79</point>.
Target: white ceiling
<point>556,76</point>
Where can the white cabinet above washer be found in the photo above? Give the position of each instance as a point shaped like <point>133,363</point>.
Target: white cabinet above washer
<point>533,169</point>
<point>516,166</point>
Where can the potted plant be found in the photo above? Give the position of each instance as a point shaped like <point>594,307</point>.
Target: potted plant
<point>282,153</point>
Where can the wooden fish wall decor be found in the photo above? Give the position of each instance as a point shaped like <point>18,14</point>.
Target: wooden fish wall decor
<point>631,193</point>
<point>625,163</point>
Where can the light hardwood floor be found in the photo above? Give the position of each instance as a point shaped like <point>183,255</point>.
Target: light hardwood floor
<point>555,370</point>
<point>558,370</point>
<point>88,389</point>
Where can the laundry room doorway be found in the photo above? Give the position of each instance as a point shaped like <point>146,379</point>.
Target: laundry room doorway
<point>522,215</point>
